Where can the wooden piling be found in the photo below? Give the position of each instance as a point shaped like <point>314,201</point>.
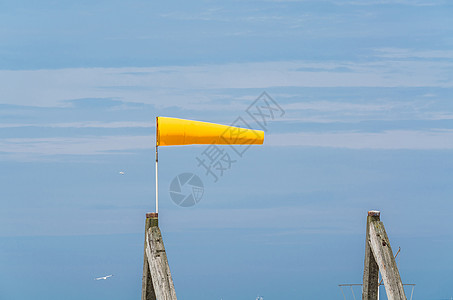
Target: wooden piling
<point>147,283</point>
<point>157,283</point>
<point>382,252</point>
<point>158,264</point>
<point>370,285</point>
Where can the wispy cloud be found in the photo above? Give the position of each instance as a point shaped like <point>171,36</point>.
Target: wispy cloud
<point>391,139</point>
<point>376,2</point>
<point>208,14</point>
<point>75,145</point>
<point>399,53</point>
<point>87,124</point>
<point>392,2</point>
<point>206,88</point>
<point>388,140</point>
<point>182,86</point>
<point>331,106</point>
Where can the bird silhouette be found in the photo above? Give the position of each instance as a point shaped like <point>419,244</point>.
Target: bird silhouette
<point>103,278</point>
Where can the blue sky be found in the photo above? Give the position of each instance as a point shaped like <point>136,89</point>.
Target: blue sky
<point>366,88</point>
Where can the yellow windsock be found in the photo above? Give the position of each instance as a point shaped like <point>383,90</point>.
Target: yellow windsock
<point>173,131</point>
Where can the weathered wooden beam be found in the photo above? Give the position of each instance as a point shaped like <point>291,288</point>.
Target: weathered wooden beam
<point>164,288</point>
<point>370,285</point>
<point>147,283</point>
<point>382,252</point>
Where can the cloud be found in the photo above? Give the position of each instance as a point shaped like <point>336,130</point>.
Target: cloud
<point>208,14</point>
<point>75,145</point>
<point>399,53</point>
<point>190,86</point>
<point>392,2</point>
<point>415,108</point>
<point>388,140</point>
<point>391,139</point>
<point>331,106</point>
<point>86,124</point>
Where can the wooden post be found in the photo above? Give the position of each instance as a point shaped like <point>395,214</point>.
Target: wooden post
<point>370,286</point>
<point>158,265</point>
<point>157,283</point>
<point>147,283</point>
<point>382,252</point>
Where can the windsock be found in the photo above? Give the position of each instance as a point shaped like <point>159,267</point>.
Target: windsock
<point>173,131</point>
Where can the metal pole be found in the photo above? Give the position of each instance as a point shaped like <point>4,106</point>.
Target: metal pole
<point>342,292</point>
<point>157,193</point>
<point>378,287</point>
<point>157,159</point>
<point>353,295</point>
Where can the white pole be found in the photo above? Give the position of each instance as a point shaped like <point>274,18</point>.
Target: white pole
<point>157,193</point>
<point>379,285</point>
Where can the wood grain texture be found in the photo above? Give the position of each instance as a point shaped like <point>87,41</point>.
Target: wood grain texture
<point>147,283</point>
<point>164,288</point>
<point>371,270</point>
<point>382,252</point>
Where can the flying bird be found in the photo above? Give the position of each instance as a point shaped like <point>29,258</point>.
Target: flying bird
<point>103,278</point>
<point>121,173</point>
